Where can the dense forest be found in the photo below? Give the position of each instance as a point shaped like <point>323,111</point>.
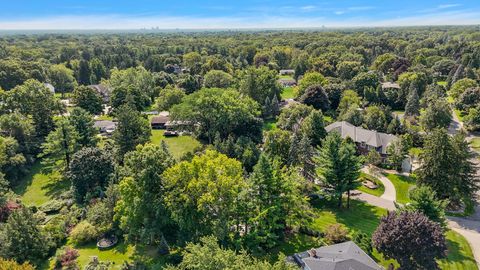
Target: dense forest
<point>246,171</point>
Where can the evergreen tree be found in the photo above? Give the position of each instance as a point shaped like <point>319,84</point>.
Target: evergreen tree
<point>338,167</point>
<point>82,122</point>
<point>131,131</point>
<point>447,168</point>
<point>413,102</point>
<point>84,73</point>
<point>21,238</point>
<point>60,144</point>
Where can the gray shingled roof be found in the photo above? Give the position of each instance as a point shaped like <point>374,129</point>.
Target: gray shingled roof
<point>361,135</point>
<point>343,256</point>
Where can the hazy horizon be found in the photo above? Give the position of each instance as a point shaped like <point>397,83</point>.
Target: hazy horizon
<point>248,14</point>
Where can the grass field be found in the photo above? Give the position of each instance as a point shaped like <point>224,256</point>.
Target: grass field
<point>39,187</point>
<point>178,145</point>
<point>375,192</point>
<point>402,184</point>
<point>288,92</point>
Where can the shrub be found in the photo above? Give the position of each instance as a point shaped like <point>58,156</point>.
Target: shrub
<point>335,234</point>
<point>13,265</point>
<point>83,233</point>
<point>364,241</point>
<point>67,259</point>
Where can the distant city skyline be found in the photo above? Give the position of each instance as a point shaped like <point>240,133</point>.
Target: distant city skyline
<point>189,14</point>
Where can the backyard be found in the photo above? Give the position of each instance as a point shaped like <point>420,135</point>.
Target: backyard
<point>178,146</point>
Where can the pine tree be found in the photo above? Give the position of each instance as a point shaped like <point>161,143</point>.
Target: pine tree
<point>413,102</point>
<point>275,107</point>
<point>60,144</point>
<point>338,167</point>
<point>447,168</point>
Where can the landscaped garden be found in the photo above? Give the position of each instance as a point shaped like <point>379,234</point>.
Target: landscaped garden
<point>403,185</point>
<point>378,191</point>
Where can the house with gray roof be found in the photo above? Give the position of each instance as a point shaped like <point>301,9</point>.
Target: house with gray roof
<point>343,256</point>
<point>365,139</point>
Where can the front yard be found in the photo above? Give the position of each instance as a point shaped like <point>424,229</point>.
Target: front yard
<point>178,146</point>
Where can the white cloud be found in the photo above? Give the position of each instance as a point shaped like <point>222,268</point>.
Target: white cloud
<point>131,22</point>
<point>445,6</point>
<point>308,8</point>
<point>340,12</point>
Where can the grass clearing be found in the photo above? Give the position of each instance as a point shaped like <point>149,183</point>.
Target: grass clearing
<point>269,125</point>
<point>402,184</point>
<point>39,187</point>
<point>375,192</point>
<point>117,255</point>
<point>178,146</point>
<point>287,93</point>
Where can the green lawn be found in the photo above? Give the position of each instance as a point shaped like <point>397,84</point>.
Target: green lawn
<point>460,256</point>
<point>104,117</point>
<point>117,255</point>
<point>288,92</point>
<point>365,218</point>
<point>402,184</point>
<point>38,187</point>
<point>269,125</point>
<point>178,145</point>
<point>375,192</point>
<point>360,217</point>
<point>475,144</point>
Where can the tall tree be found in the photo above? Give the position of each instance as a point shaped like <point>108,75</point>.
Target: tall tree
<point>82,122</point>
<point>220,111</point>
<point>141,209</point>
<point>35,100</point>
<point>21,238</point>
<point>338,167</point>
<point>84,73</point>
<point>413,102</point>
<point>88,99</point>
<point>447,168</point>
<point>60,144</point>
<point>89,170</point>
<point>131,131</point>
<point>62,78</point>
<point>436,115</point>
<point>259,83</point>
<point>202,195</point>
<point>397,153</point>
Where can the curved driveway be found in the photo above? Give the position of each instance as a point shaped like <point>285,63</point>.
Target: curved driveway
<point>467,227</point>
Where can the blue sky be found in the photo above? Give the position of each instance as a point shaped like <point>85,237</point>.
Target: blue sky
<point>122,14</point>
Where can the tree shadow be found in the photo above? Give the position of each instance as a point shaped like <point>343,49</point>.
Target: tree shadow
<point>21,186</point>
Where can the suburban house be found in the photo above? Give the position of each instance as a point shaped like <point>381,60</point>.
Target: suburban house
<point>343,256</point>
<point>364,139</point>
<point>387,85</point>
<point>103,90</point>
<point>159,121</point>
<point>105,127</point>
<point>287,82</point>
<point>287,72</point>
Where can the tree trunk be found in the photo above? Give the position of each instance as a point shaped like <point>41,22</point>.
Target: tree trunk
<point>348,199</point>
<point>340,201</point>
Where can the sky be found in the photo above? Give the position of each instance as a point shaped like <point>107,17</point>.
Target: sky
<point>232,14</point>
